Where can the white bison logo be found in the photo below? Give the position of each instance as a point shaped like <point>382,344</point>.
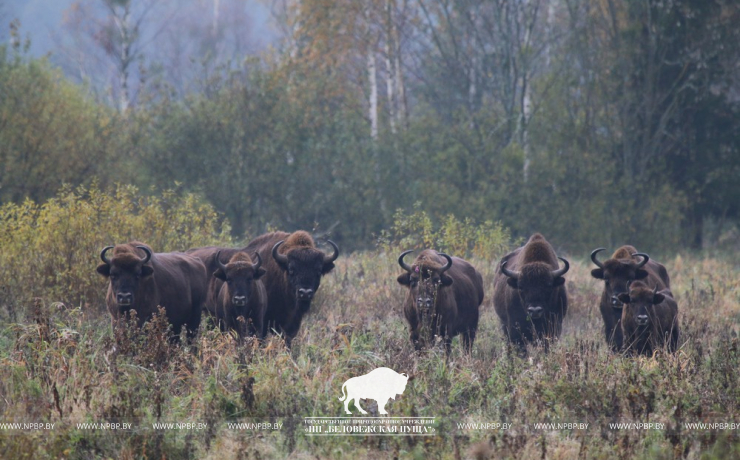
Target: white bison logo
<point>381,385</point>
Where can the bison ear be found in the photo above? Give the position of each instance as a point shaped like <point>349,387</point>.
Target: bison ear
<point>327,268</point>
<point>559,281</point>
<point>146,270</point>
<point>446,280</point>
<point>258,274</point>
<point>512,282</point>
<point>624,297</point>
<point>598,273</point>
<point>104,269</point>
<point>220,274</point>
<point>641,274</point>
<point>404,279</point>
<point>658,298</point>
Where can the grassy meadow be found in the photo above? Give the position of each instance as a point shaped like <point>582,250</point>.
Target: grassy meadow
<point>61,362</point>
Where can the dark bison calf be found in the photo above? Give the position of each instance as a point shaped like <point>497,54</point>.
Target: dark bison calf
<point>236,295</point>
<point>624,266</point>
<point>444,296</point>
<point>649,319</point>
<point>529,293</point>
<point>141,280</point>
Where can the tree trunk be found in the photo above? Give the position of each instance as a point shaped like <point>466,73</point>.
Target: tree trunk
<point>373,81</point>
<point>390,70</point>
<point>695,227</point>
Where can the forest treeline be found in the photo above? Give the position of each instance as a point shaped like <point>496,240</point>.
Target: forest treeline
<point>597,123</point>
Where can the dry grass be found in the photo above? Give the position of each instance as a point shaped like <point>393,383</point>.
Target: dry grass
<point>65,366</point>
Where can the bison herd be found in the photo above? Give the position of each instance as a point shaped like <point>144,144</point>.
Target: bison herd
<point>268,286</point>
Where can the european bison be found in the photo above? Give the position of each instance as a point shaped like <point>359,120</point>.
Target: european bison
<point>141,280</point>
<point>625,265</point>
<point>444,296</point>
<point>649,319</point>
<point>236,295</point>
<point>529,293</point>
<point>294,269</point>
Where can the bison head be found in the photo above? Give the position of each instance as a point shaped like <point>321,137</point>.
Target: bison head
<point>618,273</point>
<point>304,267</point>
<point>536,284</point>
<point>125,271</point>
<point>639,303</point>
<point>424,279</point>
<point>239,275</point>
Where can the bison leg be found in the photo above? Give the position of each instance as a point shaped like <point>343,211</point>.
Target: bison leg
<point>193,323</point>
<point>674,339</point>
<point>357,405</point>
<point>614,336</point>
<point>468,337</point>
<point>346,405</point>
<point>257,325</point>
<point>448,345</point>
<point>291,330</point>
<point>415,340</point>
<point>381,407</point>
<point>515,336</point>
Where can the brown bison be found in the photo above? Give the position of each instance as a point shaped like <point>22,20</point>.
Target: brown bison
<point>649,319</point>
<point>626,265</point>
<point>236,295</point>
<point>529,293</point>
<point>141,280</point>
<point>444,296</point>
<point>293,266</point>
<point>294,269</point>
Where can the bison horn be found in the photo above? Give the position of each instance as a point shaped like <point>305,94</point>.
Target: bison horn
<point>334,256</point>
<point>256,266</point>
<point>280,258</point>
<point>561,271</point>
<point>403,264</point>
<point>102,255</point>
<point>645,259</point>
<point>595,260</point>
<point>220,264</point>
<point>449,262</point>
<point>508,272</point>
<point>148,254</point>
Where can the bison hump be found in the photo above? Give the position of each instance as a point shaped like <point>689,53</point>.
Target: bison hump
<point>299,238</point>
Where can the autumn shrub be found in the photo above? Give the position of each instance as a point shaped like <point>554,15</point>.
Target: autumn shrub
<point>461,238</point>
<point>50,250</point>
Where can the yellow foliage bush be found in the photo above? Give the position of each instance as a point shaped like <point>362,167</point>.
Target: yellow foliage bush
<point>50,250</point>
<point>461,238</point>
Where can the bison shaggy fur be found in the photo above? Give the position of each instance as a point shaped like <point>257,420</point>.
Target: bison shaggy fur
<point>444,297</point>
<point>529,293</point>
<point>140,281</point>
<point>649,319</point>
<point>625,266</point>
